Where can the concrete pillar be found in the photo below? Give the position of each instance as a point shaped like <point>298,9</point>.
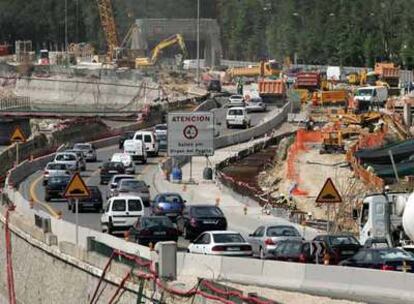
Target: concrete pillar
<point>407,114</point>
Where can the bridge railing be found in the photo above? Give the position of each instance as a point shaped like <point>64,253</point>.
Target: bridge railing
<point>14,102</point>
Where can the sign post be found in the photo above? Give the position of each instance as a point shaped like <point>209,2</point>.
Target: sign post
<point>17,137</point>
<point>76,189</point>
<point>328,195</point>
<point>191,134</point>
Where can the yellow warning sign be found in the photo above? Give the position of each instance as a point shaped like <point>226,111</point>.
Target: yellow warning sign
<point>76,188</point>
<point>18,135</point>
<point>329,194</point>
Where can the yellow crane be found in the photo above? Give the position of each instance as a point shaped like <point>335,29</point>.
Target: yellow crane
<point>155,53</point>
<point>108,26</point>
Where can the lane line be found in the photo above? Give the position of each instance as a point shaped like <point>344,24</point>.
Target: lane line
<point>35,198</point>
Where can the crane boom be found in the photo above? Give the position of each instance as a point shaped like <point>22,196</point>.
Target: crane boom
<point>108,25</point>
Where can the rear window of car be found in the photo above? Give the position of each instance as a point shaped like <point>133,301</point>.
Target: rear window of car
<point>113,166</point>
<point>119,205</point>
<point>58,179</point>
<point>395,254</point>
<point>170,198</point>
<point>292,248</point>
<point>118,178</point>
<point>156,221</point>
<point>147,138</point>
<point>82,147</point>
<point>161,128</point>
<point>132,184</point>
<point>94,191</point>
<point>343,240</point>
<point>134,205</point>
<point>138,136</point>
<point>65,157</point>
<point>56,167</point>
<point>206,212</point>
<point>282,231</point>
<point>236,112</point>
<point>228,238</point>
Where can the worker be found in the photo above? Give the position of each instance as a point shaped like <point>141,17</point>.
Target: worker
<point>239,86</point>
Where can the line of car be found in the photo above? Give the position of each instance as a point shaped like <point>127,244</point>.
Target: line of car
<point>238,109</point>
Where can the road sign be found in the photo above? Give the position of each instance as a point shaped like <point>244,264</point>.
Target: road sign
<point>76,188</point>
<point>18,135</point>
<point>329,194</point>
<point>191,134</point>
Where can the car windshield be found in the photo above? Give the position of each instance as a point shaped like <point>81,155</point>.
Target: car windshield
<point>82,147</point>
<point>364,92</point>
<point>395,254</point>
<point>171,198</point>
<point>150,222</point>
<point>161,128</point>
<point>343,240</point>
<point>292,248</point>
<point>118,178</point>
<point>65,157</point>
<point>282,231</point>
<point>228,238</point>
<point>162,137</point>
<point>132,184</point>
<point>56,166</point>
<point>207,212</point>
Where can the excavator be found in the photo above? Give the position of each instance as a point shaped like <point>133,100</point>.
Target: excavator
<point>156,52</point>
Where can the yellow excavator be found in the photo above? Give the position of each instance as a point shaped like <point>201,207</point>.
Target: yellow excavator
<point>156,52</point>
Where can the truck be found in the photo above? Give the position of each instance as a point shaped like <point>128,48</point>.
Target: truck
<point>387,215</point>
<point>263,69</point>
<point>269,88</point>
<point>388,72</point>
<point>311,81</point>
<point>367,97</point>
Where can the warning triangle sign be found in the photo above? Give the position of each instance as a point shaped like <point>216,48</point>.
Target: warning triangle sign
<point>329,194</point>
<point>18,135</point>
<point>76,188</point>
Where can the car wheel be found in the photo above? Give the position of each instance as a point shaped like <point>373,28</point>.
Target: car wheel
<point>262,254</point>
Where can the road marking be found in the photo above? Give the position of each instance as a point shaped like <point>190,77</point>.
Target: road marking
<point>45,205</point>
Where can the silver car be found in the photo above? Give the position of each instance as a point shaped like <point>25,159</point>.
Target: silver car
<point>81,158</point>
<point>266,237</point>
<point>55,169</point>
<point>88,150</point>
<point>256,105</point>
<point>113,183</point>
<point>134,187</point>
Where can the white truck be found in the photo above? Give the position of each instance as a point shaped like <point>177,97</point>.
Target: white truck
<point>372,96</point>
<point>136,149</point>
<point>387,215</point>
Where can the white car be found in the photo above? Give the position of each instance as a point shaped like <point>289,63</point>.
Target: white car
<point>136,149</point>
<point>121,213</point>
<point>160,129</point>
<point>88,150</point>
<point>237,117</point>
<point>55,169</point>
<point>68,158</point>
<point>236,101</point>
<point>113,183</point>
<point>221,243</point>
<point>150,141</point>
<point>256,104</point>
<point>126,160</point>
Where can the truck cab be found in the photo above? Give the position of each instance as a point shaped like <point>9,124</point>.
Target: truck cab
<point>381,216</point>
<point>371,96</point>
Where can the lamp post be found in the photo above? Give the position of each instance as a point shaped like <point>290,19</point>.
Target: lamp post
<point>198,43</point>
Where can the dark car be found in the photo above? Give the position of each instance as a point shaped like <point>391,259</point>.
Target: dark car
<point>153,229</point>
<point>385,259</point>
<point>94,202</point>
<point>56,186</point>
<point>199,218</point>
<point>379,242</point>
<point>162,142</point>
<point>293,251</point>
<point>124,137</point>
<point>214,85</point>
<point>339,247</point>
<point>110,169</point>
<point>169,204</point>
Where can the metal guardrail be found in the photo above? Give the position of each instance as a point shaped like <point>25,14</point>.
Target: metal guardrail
<point>15,102</point>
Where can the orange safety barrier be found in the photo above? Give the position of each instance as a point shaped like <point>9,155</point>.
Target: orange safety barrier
<point>302,138</point>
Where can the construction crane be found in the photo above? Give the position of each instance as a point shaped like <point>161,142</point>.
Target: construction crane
<point>155,53</point>
<point>106,15</point>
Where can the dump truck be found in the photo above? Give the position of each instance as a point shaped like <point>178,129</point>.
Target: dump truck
<point>311,81</point>
<point>263,69</point>
<point>269,88</point>
<point>388,72</point>
<point>330,97</point>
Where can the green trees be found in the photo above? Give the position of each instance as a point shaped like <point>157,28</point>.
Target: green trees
<point>337,32</point>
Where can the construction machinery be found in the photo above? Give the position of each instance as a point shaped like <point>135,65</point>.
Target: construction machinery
<point>108,26</point>
<point>357,78</point>
<point>332,143</point>
<point>263,69</point>
<point>156,52</point>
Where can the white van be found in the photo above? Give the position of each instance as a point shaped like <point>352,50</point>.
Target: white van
<point>373,96</point>
<point>121,213</point>
<point>150,141</point>
<point>136,149</point>
<point>238,117</point>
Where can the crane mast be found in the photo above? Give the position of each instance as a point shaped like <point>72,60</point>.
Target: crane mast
<point>108,25</point>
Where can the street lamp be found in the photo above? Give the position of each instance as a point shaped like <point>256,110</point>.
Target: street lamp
<point>198,43</point>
